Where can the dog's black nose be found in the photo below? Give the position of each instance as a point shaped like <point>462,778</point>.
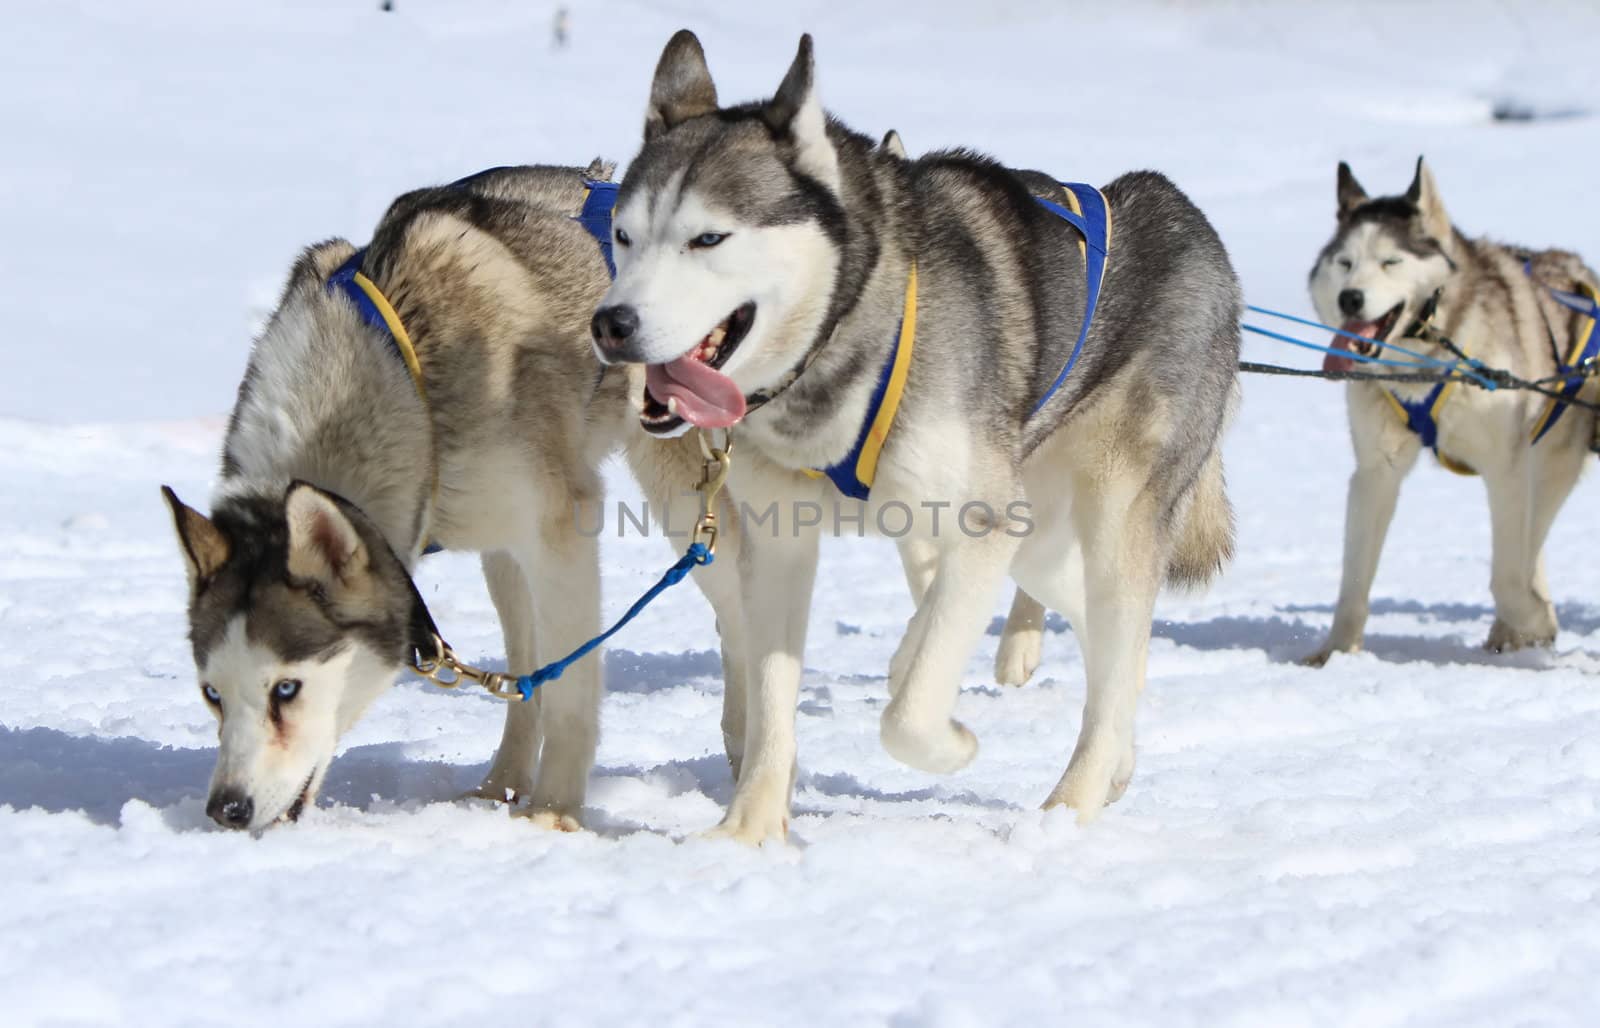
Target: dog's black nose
<point>231,808</point>
<point>613,327</point>
<point>1351,302</point>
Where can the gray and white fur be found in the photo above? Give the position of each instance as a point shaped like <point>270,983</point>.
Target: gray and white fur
<point>301,608</point>
<point>1387,257</point>
<point>775,244</point>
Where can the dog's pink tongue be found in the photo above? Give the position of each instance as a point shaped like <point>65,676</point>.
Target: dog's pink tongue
<point>1335,362</point>
<point>706,397</point>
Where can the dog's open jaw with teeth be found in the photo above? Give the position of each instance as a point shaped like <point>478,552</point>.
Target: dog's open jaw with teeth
<point>692,388</point>
<point>1376,331</point>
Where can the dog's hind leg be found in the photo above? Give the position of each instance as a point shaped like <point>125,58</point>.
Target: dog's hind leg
<point>514,762</point>
<point>1124,552</point>
<point>567,567</point>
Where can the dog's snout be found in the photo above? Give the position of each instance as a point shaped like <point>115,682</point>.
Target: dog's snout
<point>1350,302</point>
<point>613,327</point>
<point>231,808</point>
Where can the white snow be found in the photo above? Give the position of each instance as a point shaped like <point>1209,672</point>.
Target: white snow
<point>1409,836</point>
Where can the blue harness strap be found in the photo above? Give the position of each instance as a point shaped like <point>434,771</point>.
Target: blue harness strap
<point>844,473</point>
<point>1092,219</point>
<point>596,217</point>
<point>1420,416</point>
<point>344,281</point>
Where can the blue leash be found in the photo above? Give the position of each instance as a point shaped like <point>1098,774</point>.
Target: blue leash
<point>696,556</point>
<point>1423,359</point>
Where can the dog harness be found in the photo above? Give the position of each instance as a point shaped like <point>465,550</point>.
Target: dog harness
<point>1422,416</point>
<point>1585,348</point>
<point>1086,211</point>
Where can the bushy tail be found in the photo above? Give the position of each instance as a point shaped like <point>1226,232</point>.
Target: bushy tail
<point>1205,529</point>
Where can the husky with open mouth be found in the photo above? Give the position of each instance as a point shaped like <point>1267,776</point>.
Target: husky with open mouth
<point>436,386</point>
<point>1398,273</point>
<point>901,325</point>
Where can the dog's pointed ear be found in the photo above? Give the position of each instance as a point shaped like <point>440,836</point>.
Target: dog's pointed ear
<point>1351,195</point>
<point>682,88</point>
<point>324,546</point>
<point>795,116</point>
<point>1424,195</point>
<point>205,548</point>
<point>893,145</point>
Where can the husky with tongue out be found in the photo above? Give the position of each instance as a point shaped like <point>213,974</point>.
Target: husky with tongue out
<point>1396,271</point>
<point>903,327</point>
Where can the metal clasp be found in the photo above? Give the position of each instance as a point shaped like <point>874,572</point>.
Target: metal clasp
<point>448,671</point>
<point>713,476</point>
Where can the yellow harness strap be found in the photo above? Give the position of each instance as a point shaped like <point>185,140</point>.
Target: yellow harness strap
<point>397,329</point>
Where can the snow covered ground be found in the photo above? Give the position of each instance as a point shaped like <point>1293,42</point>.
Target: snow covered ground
<point>1407,837</point>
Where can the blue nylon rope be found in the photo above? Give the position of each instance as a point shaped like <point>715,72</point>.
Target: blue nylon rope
<point>1350,335</point>
<point>1463,368</point>
<point>694,557</point>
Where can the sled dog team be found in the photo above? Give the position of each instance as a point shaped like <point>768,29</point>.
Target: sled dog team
<point>881,330</point>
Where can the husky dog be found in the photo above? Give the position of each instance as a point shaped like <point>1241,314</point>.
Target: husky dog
<point>340,465</point>
<point>770,260</point>
<point>1397,269</point>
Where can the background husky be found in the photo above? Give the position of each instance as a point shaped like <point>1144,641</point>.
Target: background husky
<point>301,607</point>
<point>763,255</point>
<point>1388,257</point>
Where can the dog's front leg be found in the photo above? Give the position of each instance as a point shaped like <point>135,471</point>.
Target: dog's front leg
<point>776,577</point>
<point>925,676</point>
<point>567,614</point>
<point>1374,490</point>
<point>511,775</point>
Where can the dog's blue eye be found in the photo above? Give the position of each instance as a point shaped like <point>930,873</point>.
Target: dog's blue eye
<point>286,690</point>
<point>706,240</point>
<point>211,694</point>
<point>622,238</point>
<point>1392,262</point>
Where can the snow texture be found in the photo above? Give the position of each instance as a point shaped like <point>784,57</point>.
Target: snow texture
<point>1407,837</point>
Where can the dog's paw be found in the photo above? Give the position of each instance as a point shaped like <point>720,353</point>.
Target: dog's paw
<point>1018,657</point>
<point>941,749</point>
<point>1097,776</point>
<point>1317,659</point>
<point>552,820</point>
<point>1505,639</point>
<point>751,828</point>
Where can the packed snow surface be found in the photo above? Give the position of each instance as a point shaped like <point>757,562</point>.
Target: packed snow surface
<point>1409,836</point>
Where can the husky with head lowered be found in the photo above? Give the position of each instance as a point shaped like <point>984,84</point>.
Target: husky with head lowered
<point>779,272</point>
<point>437,386</point>
<point>1397,271</point>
